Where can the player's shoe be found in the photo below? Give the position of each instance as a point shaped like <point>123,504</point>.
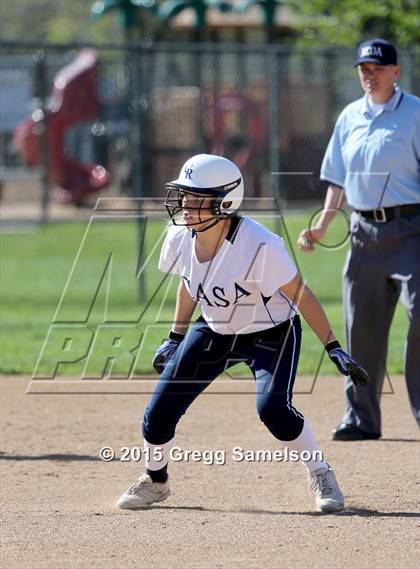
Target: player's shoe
<point>323,484</point>
<point>143,493</point>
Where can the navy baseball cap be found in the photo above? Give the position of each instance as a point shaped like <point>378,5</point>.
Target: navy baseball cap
<point>377,51</point>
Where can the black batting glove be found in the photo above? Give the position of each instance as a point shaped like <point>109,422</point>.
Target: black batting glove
<point>346,364</point>
<point>165,352</point>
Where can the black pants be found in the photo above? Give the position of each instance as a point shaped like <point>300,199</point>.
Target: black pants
<point>382,266</point>
<point>272,355</point>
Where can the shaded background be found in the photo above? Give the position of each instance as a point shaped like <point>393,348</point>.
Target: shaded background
<point>260,82</point>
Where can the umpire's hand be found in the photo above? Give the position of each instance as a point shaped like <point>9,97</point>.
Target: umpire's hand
<point>346,364</point>
<point>309,237</point>
<point>165,352</point>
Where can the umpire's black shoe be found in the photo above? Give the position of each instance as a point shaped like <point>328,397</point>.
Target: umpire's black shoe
<point>347,432</point>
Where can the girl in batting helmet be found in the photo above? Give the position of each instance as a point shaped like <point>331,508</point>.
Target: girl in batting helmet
<point>250,295</point>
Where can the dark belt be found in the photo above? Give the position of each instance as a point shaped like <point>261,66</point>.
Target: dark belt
<point>385,214</point>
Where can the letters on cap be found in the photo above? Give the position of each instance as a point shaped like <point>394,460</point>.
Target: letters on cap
<point>371,50</point>
<point>377,51</point>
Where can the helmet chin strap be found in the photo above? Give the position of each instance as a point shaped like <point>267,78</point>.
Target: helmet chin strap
<point>208,227</point>
<point>216,220</point>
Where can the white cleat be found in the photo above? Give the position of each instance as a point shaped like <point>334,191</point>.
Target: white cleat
<point>323,484</point>
<point>143,493</point>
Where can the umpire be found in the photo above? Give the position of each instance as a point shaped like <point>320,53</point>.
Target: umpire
<point>373,160</point>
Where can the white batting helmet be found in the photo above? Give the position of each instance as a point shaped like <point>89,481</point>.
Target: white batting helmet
<point>208,175</point>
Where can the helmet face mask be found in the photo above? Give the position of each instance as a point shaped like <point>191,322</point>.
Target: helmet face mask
<point>209,188</point>
<point>200,207</point>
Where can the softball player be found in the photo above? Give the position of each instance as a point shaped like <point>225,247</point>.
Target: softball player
<point>249,293</point>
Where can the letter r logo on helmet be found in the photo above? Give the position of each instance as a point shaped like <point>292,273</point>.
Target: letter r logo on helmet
<point>188,172</point>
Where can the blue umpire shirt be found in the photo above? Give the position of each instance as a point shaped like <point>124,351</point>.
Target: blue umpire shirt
<point>376,160</point>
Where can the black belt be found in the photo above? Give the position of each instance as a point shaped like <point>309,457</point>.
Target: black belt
<point>385,214</point>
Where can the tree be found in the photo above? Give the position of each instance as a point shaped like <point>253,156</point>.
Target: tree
<point>348,22</point>
<point>55,21</point>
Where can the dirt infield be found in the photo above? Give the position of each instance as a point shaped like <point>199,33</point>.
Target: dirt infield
<point>58,497</point>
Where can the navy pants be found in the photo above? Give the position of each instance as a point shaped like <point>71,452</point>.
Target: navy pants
<point>272,355</point>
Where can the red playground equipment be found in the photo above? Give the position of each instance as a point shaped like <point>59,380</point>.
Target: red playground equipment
<point>74,99</point>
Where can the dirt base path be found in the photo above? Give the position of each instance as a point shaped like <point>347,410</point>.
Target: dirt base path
<point>58,497</point>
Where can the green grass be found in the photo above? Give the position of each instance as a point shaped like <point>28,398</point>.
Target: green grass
<point>36,268</point>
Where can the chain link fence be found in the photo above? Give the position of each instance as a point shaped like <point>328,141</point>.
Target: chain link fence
<point>271,109</point>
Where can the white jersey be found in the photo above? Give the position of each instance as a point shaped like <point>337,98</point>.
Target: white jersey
<point>238,290</point>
